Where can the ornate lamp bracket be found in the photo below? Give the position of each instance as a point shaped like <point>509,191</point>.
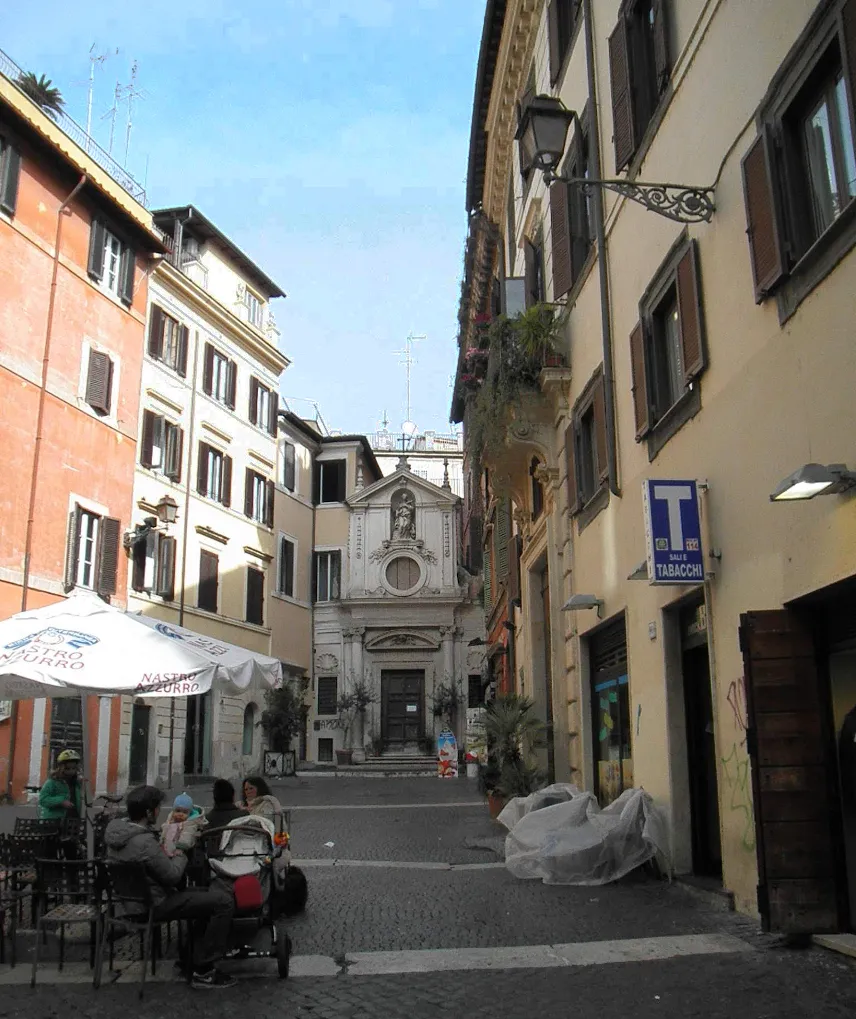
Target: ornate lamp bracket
<point>682,203</point>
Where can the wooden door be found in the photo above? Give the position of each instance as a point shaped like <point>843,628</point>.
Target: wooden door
<point>791,746</point>
<point>138,765</point>
<point>403,698</point>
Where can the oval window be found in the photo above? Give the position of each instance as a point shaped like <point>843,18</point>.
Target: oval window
<point>402,573</point>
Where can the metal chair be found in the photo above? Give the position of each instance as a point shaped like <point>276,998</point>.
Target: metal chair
<point>66,892</point>
<point>38,826</point>
<point>12,898</point>
<point>126,888</point>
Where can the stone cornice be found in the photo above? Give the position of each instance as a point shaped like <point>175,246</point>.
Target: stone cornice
<point>202,302</point>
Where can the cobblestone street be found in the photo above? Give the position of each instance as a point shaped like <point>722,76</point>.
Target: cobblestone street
<point>413,872</point>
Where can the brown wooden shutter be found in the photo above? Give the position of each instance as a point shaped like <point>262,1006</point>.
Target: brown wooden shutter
<point>208,370</point>
<point>172,458</point>
<point>98,379</point>
<point>560,228</point>
<point>138,564</point>
<point>156,328</point>
<point>108,555</point>
<point>95,265</point>
<point>690,315</point>
<point>10,173</point>
<point>579,228</point>
<point>514,571</point>
<point>641,403</point>
<point>255,596</point>
<point>553,37</point>
<point>202,469</point>
<point>289,471</point>
<point>600,438</point>
<point>253,409</point>
<point>148,438</point>
<point>623,121</point>
<point>502,535</point>
<point>127,272</point>
<point>208,581</point>
<point>763,224</point>
<point>571,468</point>
<point>270,489</point>
<point>166,569</point>
<point>72,546</point>
<point>848,26</point>
<point>226,493</point>
<point>231,384</point>
<point>794,785</point>
<point>183,343</point>
<point>316,483</point>
<point>660,28</point>
<point>249,477</point>
<point>273,417</point>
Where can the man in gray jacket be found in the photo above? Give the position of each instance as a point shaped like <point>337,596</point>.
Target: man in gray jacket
<point>134,840</point>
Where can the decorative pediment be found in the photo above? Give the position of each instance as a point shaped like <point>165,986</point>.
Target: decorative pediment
<point>400,640</point>
<point>384,490</point>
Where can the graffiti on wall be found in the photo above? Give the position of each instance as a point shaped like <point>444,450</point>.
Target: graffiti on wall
<point>737,701</point>
<point>735,768</point>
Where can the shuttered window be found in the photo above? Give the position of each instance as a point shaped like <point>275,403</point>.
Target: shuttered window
<point>258,498</point>
<point>328,692</point>
<point>501,537</point>
<point>161,445</point>
<point>639,67</point>
<point>571,216</point>
<point>329,481</point>
<point>219,376</point>
<point>168,339</point>
<point>10,174</point>
<point>799,174</point>
<point>533,251</point>
<point>561,21</point>
<point>112,262</point>
<point>165,585</point>
<point>667,346</point>
<point>285,572</point>
<point>209,568</point>
<point>263,407</point>
<point>326,576</point>
<point>255,596</point>
<point>536,488</point>
<point>587,464</point>
<point>289,466</point>
<point>214,474</point>
<point>99,381</point>
<point>92,552</point>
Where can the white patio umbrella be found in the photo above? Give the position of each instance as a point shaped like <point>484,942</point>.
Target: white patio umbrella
<point>83,646</point>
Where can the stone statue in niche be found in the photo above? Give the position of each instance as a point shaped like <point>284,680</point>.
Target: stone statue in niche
<point>403,516</point>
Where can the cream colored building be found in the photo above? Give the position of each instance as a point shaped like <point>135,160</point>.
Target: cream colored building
<point>719,353</point>
<point>208,427</point>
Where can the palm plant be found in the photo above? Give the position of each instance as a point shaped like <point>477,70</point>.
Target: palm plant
<point>513,734</point>
<point>43,93</point>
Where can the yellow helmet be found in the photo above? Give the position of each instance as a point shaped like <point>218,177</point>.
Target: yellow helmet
<point>68,755</point>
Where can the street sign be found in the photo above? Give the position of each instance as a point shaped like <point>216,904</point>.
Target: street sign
<point>673,532</point>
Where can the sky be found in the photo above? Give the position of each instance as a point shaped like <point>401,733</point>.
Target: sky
<point>327,138</point>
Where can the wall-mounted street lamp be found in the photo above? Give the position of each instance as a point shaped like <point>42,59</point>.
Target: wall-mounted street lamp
<point>167,509</point>
<point>813,479</point>
<point>542,133</point>
<point>583,601</point>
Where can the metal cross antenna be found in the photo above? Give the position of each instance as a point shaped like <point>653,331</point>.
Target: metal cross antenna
<point>408,361</point>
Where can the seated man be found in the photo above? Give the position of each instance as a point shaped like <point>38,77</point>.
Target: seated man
<point>133,839</point>
<point>225,808</point>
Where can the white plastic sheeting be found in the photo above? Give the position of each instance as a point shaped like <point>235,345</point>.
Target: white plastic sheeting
<point>574,842</point>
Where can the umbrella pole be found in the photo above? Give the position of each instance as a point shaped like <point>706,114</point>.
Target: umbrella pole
<point>90,831</point>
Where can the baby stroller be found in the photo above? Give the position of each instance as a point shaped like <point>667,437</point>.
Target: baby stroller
<point>254,857</point>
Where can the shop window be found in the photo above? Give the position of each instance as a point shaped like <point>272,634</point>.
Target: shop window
<point>610,713</point>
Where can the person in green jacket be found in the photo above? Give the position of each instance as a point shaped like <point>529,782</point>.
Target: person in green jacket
<point>62,794</point>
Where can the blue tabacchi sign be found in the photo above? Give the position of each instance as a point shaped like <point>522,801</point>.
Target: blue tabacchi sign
<point>673,532</point>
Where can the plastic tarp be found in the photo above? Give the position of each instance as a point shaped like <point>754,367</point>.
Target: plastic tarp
<point>575,842</point>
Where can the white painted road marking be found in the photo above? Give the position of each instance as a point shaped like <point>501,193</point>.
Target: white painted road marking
<point>397,864</point>
<point>433,960</point>
<point>389,806</point>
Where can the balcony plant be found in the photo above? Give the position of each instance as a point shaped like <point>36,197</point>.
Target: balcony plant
<point>43,93</point>
<point>513,735</point>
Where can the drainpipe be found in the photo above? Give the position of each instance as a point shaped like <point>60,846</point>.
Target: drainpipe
<point>37,449</point>
<point>603,268</point>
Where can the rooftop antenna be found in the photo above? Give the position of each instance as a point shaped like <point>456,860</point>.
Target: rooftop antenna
<point>111,113</point>
<point>95,60</point>
<point>408,360</point>
<point>132,92</point>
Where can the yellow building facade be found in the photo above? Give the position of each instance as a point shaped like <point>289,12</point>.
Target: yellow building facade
<point>710,352</point>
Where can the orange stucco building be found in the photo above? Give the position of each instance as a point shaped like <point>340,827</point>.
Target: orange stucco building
<point>75,252</point>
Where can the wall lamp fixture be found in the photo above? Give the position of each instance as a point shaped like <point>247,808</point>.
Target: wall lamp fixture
<point>167,513</point>
<point>583,601</point>
<point>813,479</point>
<point>542,132</point>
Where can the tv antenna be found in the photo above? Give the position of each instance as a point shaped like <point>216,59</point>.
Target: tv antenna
<point>95,60</point>
<point>132,92</point>
<point>408,360</point>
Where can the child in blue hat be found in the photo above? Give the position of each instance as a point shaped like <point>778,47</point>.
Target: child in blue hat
<point>182,811</point>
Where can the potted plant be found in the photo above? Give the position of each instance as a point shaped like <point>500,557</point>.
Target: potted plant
<point>351,708</point>
<point>446,700</point>
<point>282,717</point>
<point>346,713</point>
<point>513,734</point>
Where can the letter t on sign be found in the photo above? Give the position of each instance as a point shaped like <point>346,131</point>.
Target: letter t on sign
<point>673,496</point>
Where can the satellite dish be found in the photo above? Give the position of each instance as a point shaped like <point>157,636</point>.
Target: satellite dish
<point>409,428</point>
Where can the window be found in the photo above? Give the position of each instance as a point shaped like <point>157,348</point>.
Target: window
<point>610,712</point>
<point>511,228</point>
<point>534,254</point>
<point>327,576</point>
<point>325,750</point>
<point>571,217</point>
<point>285,570</point>
<point>799,176</point>
<point>403,573</point>
<point>92,551</point>
<point>288,467</point>
<point>264,406</point>
<point>329,481</point>
<point>255,309</point>
<point>219,377</point>
<point>99,382</point>
<point>112,263</point>
<point>561,21</point>
<point>249,729</point>
<point>328,691</point>
<point>586,444</point>
<point>10,173</point>
<point>168,340</point>
<point>255,596</point>
<point>475,692</point>
<point>161,447</point>
<point>153,565</point>
<point>209,568</point>
<point>667,349</point>
<point>536,488</point>
<point>639,70</point>
<point>165,585</point>
<point>214,476</point>
<point>258,498</point>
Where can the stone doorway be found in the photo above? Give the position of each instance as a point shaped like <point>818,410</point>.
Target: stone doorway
<point>402,708</point>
